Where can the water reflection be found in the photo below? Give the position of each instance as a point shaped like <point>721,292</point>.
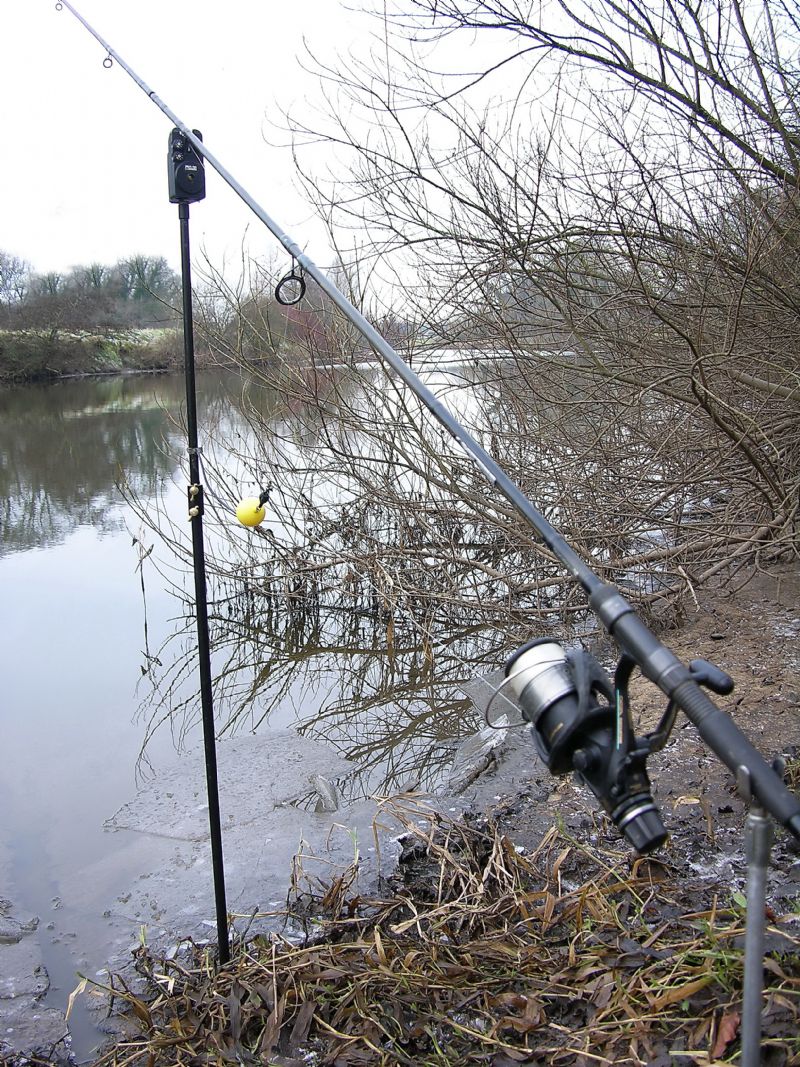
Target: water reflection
<point>66,447</point>
<point>356,617</point>
<point>365,680</point>
<point>302,635</point>
<point>71,625</point>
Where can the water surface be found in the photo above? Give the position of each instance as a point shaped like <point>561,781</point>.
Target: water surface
<point>71,653</point>
<point>80,681</point>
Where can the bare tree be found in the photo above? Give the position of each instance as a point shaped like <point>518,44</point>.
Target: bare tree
<point>93,276</point>
<point>14,275</point>
<point>617,185</point>
<point>600,223</point>
<point>50,284</point>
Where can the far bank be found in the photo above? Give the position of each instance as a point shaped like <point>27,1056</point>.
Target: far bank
<point>47,354</point>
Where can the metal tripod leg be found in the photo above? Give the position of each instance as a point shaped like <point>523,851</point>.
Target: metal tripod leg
<point>759,842</point>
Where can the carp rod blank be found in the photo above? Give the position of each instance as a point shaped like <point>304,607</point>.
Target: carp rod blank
<point>755,777</point>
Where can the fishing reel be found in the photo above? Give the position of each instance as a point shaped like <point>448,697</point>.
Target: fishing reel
<point>580,721</point>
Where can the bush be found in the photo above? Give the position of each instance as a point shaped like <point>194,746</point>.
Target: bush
<point>33,355</point>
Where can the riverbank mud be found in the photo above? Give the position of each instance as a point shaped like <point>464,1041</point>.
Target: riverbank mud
<point>505,920</point>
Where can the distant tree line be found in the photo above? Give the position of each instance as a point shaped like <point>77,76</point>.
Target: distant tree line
<point>140,291</point>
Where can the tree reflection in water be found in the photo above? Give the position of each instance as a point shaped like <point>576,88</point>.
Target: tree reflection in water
<point>372,594</point>
<point>388,574</point>
<point>366,680</point>
<point>66,447</point>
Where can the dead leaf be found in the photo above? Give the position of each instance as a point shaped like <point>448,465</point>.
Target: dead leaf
<point>680,992</point>
<point>726,1032</point>
<point>302,1023</point>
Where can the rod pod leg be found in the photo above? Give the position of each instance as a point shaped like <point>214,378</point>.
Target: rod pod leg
<point>201,603</point>
<point>758,831</point>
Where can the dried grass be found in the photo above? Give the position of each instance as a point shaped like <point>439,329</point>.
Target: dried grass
<point>478,955</point>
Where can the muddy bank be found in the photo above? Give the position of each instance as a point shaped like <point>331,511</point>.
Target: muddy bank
<point>479,951</point>
<point>155,886</point>
<point>508,797</point>
<point>26,1023</point>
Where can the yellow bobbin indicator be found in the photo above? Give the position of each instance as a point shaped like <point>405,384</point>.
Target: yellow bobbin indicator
<point>250,511</point>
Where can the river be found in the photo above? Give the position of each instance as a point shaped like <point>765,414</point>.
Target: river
<point>71,619</point>
<point>77,691</point>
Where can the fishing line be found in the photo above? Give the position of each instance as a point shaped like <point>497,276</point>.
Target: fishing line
<point>292,287</point>
<point>484,462</point>
<point>756,778</point>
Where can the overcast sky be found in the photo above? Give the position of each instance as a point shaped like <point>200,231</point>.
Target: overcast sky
<point>83,174</point>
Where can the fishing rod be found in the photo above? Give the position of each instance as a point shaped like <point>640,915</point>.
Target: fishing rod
<point>580,719</point>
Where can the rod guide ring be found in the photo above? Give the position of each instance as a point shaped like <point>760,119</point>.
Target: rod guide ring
<point>291,289</point>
